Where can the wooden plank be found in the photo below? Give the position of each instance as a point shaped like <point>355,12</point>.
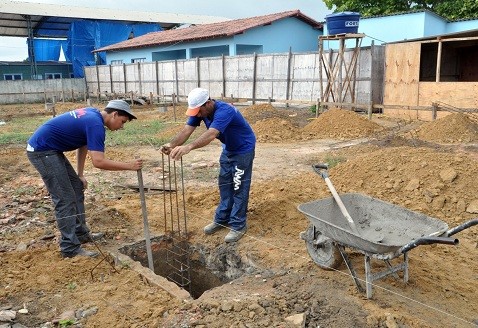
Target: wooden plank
<point>456,94</point>
<point>402,69</point>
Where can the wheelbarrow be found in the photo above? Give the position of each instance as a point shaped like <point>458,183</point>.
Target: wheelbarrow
<point>378,229</point>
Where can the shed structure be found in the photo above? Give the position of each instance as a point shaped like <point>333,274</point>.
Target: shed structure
<point>441,71</point>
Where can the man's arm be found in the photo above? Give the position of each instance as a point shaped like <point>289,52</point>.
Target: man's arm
<point>179,139</point>
<point>80,164</point>
<point>203,140</point>
<point>100,162</point>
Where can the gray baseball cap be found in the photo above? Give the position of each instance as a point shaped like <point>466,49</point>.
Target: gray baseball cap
<point>122,106</point>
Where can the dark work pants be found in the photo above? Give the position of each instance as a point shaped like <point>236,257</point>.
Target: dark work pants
<point>66,191</point>
<point>234,184</point>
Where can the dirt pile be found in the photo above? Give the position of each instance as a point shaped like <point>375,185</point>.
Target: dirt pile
<point>285,282</point>
<point>275,130</point>
<point>436,183</point>
<point>340,124</point>
<point>453,128</point>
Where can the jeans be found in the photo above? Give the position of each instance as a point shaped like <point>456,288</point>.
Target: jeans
<point>234,184</point>
<point>66,191</point>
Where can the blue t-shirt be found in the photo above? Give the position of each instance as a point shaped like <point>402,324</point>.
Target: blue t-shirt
<point>70,131</point>
<point>235,133</point>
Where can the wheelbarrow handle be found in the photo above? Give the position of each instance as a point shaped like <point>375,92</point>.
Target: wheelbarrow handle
<point>461,227</point>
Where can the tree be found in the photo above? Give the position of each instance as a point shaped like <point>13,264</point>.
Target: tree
<point>449,9</point>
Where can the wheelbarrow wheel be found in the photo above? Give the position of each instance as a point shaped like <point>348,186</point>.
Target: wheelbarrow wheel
<point>322,249</point>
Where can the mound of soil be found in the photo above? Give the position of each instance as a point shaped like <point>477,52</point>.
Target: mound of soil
<point>340,124</point>
<point>282,282</point>
<point>453,128</point>
<point>275,130</point>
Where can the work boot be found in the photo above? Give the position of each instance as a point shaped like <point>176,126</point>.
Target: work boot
<point>212,228</point>
<point>81,252</point>
<point>235,235</point>
<point>90,237</point>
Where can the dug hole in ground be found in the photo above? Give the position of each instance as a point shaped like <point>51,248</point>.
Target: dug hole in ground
<point>267,279</point>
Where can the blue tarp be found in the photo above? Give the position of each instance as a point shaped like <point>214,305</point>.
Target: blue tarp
<point>87,35</point>
<point>47,49</point>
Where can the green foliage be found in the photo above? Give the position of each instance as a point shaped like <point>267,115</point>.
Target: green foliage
<point>66,322</point>
<point>334,160</point>
<point>449,9</point>
<point>137,133</point>
<point>18,130</point>
<point>71,285</point>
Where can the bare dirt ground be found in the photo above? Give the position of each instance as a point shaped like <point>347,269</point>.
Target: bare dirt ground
<point>430,168</point>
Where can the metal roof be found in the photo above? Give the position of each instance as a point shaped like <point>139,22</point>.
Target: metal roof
<point>48,20</point>
<point>208,31</point>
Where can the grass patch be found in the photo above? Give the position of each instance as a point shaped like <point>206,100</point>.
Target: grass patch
<point>135,133</point>
<point>18,130</point>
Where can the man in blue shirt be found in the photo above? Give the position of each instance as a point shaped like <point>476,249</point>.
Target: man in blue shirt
<point>224,122</point>
<point>82,130</point>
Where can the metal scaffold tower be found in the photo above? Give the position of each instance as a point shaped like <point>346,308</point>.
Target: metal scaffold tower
<point>340,70</point>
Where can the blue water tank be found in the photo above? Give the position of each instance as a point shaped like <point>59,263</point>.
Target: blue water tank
<point>343,22</point>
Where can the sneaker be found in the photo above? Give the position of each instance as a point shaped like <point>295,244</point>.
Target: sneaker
<point>235,235</point>
<point>212,228</point>
<point>91,237</point>
<point>82,252</point>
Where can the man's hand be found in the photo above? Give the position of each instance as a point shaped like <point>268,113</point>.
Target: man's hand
<point>137,164</point>
<point>166,148</point>
<point>85,183</point>
<point>179,151</point>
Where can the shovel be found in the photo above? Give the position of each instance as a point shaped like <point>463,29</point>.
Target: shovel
<point>321,169</point>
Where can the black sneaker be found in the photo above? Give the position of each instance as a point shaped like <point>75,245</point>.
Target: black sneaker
<point>91,237</point>
<point>81,252</point>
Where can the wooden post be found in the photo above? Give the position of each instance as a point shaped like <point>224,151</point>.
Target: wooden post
<point>198,84</point>
<point>98,82</point>
<point>140,80</point>
<point>317,107</point>
<point>157,78</point>
<point>173,96</point>
<point>151,100</point>
<point>254,78</point>
<point>124,79</point>
<point>438,71</point>
<point>176,76</point>
<point>269,100</point>
<point>223,75</point>
<point>434,110</point>
<point>289,59</point>
<point>111,78</point>
<point>370,110</point>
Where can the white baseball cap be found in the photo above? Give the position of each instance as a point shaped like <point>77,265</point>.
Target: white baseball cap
<point>196,98</point>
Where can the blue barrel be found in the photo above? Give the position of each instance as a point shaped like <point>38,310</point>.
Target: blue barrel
<point>343,22</point>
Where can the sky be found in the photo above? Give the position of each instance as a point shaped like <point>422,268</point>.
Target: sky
<point>15,49</point>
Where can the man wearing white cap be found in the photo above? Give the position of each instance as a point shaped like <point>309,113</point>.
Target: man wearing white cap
<point>224,122</point>
<point>82,130</point>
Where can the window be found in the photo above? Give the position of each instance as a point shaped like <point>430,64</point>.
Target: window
<point>116,62</point>
<point>52,76</point>
<point>11,77</point>
<point>138,60</point>
<point>458,61</point>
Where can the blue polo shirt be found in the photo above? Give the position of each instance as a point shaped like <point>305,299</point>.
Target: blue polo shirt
<point>70,131</point>
<point>235,134</point>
